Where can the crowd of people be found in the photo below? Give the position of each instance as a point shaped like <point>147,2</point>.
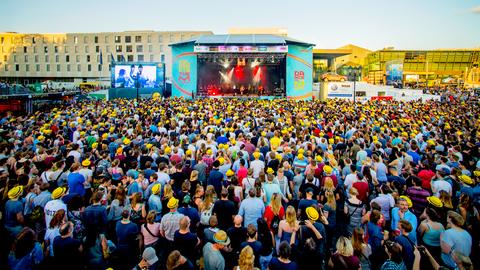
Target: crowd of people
<point>241,184</point>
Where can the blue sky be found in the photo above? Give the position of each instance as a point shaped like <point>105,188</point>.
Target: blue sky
<point>373,24</point>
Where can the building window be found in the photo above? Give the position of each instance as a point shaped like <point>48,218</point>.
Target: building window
<point>149,39</point>
<point>118,48</point>
<point>86,49</point>
<point>57,58</point>
<point>128,39</point>
<point>58,68</point>
<point>95,39</point>
<point>36,58</point>
<point>162,58</point>
<point>47,67</point>
<point>75,40</point>
<point>55,49</point>
<point>45,49</point>
<point>130,58</point>
<point>37,68</point>
<point>97,49</point>
<point>6,67</point>
<point>34,49</point>
<point>106,39</point>
<point>128,48</point>
<point>26,58</point>
<point>139,48</point>
<point>140,57</point>
<point>14,58</point>
<point>65,49</point>
<point>160,38</point>
<point>47,58</point>
<point>79,68</point>
<point>68,68</point>
<point>161,48</point>
<point>107,49</point>
<point>99,67</point>
<point>24,49</point>
<point>76,49</point>
<point>33,40</point>
<point>85,39</point>
<point>89,67</point>
<point>138,38</point>
<point>151,58</point>
<point>117,39</point>
<point>17,67</point>
<point>77,58</point>
<point>88,58</point>
<point>119,58</point>
<point>27,68</point>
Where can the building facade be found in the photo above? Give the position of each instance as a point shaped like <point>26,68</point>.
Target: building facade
<point>82,57</point>
<point>426,67</point>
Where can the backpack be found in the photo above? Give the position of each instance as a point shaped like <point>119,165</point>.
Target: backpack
<point>275,224</point>
<point>205,215</point>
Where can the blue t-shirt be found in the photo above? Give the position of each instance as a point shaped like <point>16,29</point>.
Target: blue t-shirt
<point>251,209</point>
<point>12,208</point>
<point>75,183</point>
<point>133,188</point>
<point>410,217</point>
<point>126,235</point>
<point>459,241</point>
<point>407,250</point>
<point>276,264</point>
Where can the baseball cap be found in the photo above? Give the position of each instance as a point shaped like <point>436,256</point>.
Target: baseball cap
<point>150,256</point>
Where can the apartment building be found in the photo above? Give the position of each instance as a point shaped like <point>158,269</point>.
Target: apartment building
<point>82,57</point>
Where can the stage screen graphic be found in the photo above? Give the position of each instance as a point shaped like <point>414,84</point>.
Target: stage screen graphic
<point>147,75</point>
<point>263,75</point>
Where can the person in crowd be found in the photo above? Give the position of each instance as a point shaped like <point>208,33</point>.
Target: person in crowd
<point>430,230</point>
<point>225,210</point>
<point>403,212</point>
<point>455,238</point>
<point>213,258</point>
<point>14,218</point>
<point>354,210</point>
<point>127,240</point>
<point>251,208</point>
<point>344,258</point>
<point>283,262</point>
<point>66,249</point>
<point>26,253</point>
<point>361,249</point>
<point>177,261</point>
<point>149,260</point>
<point>150,230</point>
<point>186,241</point>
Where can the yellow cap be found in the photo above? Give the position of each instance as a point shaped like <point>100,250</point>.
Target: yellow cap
<point>435,201</point>
<point>156,189</point>
<point>209,152</point>
<point>466,179</point>
<point>86,163</point>
<point>126,141</point>
<point>221,160</point>
<point>94,145</point>
<point>15,192</point>
<point>331,141</point>
<point>58,192</point>
<point>300,156</point>
<point>312,213</point>
<point>327,169</point>
<point>168,150</point>
<point>256,155</point>
<point>230,173</point>
<point>318,158</point>
<point>409,201</point>
<point>149,145</point>
<point>119,151</point>
<point>172,203</point>
<point>188,152</point>
<point>270,170</point>
<point>301,151</point>
<point>104,136</point>
<point>476,173</point>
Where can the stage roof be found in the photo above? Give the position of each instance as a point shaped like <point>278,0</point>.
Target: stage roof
<point>242,40</point>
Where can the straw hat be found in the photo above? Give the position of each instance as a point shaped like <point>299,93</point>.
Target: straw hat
<point>86,163</point>
<point>221,237</point>
<point>312,213</point>
<point>15,192</point>
<point>156,189</point>
<point>435,201</point>
<point>58,192</point>
<point>172,203</point>
<point>409,201</point>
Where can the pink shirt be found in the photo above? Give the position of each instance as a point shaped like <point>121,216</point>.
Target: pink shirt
<point>242,173</point>
<point>148,238</point>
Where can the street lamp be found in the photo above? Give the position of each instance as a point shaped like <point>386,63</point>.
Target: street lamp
<point>354,74</point>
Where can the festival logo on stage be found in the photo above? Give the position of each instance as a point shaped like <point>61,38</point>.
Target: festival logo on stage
<point>184,71</point>
<point>299,80</point>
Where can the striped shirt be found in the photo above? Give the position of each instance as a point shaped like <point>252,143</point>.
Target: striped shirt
<point>170,223</point>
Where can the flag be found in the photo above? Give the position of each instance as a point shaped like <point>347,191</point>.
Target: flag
<point>113,58</point>
<point>101,57</point>
<point>123,58</point>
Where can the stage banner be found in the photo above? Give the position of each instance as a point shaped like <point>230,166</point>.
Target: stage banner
<point>299,72</point>
<point>184,71</point>
<point>394,72</point>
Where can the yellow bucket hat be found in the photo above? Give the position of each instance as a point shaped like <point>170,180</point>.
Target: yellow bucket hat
<point>270,170</point>
<point>312,213</point>
<point>466,179</point>
<point>327,169</point>
<point>15,192</point>
<point>172,203</point>
<point>230,173</point>
<point>86,163</point>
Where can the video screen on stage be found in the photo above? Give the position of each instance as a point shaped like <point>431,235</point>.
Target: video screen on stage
<point>228,76</point>
<point>138,75</point>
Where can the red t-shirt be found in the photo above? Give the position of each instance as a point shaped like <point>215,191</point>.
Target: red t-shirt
<point>242,173</point>
<point>426,176</point>
<point>268,215</point>
<point>362,188</point>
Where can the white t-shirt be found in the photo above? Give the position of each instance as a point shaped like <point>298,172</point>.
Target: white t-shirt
<point>51,208</point>
<point>439,185</point>
<point>76,155</point>
<point>87,173</point>
<point>349,180</point>
<point>257,167</point>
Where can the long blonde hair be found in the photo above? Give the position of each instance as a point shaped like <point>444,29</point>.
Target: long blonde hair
<point>167,191</point>
<point>344,246</point>
<point>331,201</point>
<point>328,186</point>
<point>209,198</point>
<point>246,259</point>
<point>291,216</point>
<point>276,204</point>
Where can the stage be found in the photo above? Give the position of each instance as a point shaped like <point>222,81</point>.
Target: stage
<point>245,66</point>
